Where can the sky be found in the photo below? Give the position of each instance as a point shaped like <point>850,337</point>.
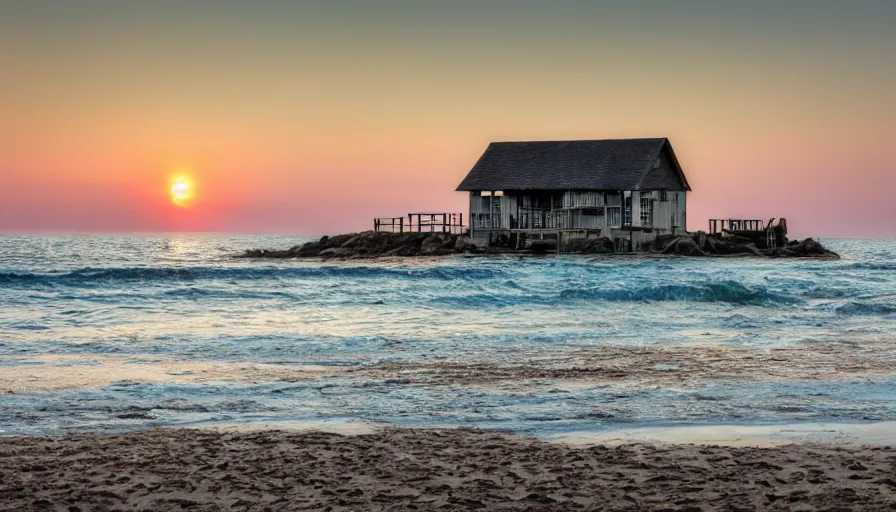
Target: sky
<point>314,117</point>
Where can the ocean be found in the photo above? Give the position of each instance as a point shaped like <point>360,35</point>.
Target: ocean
<point>122,332</point>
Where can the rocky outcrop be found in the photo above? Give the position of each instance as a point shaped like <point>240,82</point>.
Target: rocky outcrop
<point>684,245</point>
<point>808,248</point>
<point>370,244</point>
<point>701,244</point>
<point>598,245</point>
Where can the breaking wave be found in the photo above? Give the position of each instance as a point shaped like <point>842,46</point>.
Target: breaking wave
<point>90,276</point>
<point>865,308</point>
<point>722,291</point>
<point>870,266</point>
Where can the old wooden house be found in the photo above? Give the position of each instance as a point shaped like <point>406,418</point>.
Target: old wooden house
<point>628,190</point>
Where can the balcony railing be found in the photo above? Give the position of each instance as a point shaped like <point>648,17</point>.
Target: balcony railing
<point>487,221</point>
<point>547,219</point>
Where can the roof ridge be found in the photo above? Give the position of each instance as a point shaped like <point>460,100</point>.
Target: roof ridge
<point>650,163</point>
<point>643,139</point>
<point>610,164</point>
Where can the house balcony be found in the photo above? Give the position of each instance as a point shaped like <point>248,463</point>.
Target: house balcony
<point>549,220</point>
<point>485,221</point>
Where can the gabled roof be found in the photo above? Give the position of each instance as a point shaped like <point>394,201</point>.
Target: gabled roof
<point>615,164</point>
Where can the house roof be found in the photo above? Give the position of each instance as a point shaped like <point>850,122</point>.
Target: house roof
<point>616,164</point>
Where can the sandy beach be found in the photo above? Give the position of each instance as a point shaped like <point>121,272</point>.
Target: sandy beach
<point>407,469</point>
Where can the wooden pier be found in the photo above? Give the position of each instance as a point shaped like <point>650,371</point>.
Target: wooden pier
<point>764,235</point>
<point>423,222</point>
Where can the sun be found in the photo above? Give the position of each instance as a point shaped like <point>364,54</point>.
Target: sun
<point>182,191</point>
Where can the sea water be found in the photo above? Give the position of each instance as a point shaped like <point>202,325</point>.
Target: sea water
<point>123,332</point>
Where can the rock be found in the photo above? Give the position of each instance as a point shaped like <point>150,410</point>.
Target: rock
<point>599,245</point>
<point>700,239</point>
<point>684,245</point>
<point>404,250</point>
<point>662,241</point>
<point>434,245</point>
<point>370,244</point>
<point>334,252</point>
<point>690,247</point>
<point>309,249</point>
<point>725,246</point>
<point>351,241</point>
<point>464,244</point>
<point>753,249</point>
<point>542,246</point>
<point>808,248</point>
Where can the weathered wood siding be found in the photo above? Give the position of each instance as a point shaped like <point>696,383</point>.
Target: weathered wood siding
<point>588,219</point>
<point>667,209</point>
<point>662,210</point>
<point>494,210</point>
<point>578,210</point>
<point>636,208</point>
<point>583,199</point>
<point>682,218</point>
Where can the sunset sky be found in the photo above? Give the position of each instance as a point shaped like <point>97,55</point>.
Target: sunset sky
<point>314,117</point>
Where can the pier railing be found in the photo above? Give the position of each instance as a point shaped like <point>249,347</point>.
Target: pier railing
<point>721,225</point>
<point>424,222</point>
<point>729,225</point>
<point>764,235</point>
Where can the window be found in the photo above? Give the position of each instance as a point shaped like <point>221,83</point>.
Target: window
<point>675,220</point>
<point>663,196</point>
<point>556,201</point>
<point>627,221</point>
<point>658,163</point>
<point>646,213</point>
<point>614,217</point>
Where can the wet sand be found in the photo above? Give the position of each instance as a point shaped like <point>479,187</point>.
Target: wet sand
<point>685,365</point>
<point>57,372</point>
<point>880,433</point>
<point>405,469</point>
